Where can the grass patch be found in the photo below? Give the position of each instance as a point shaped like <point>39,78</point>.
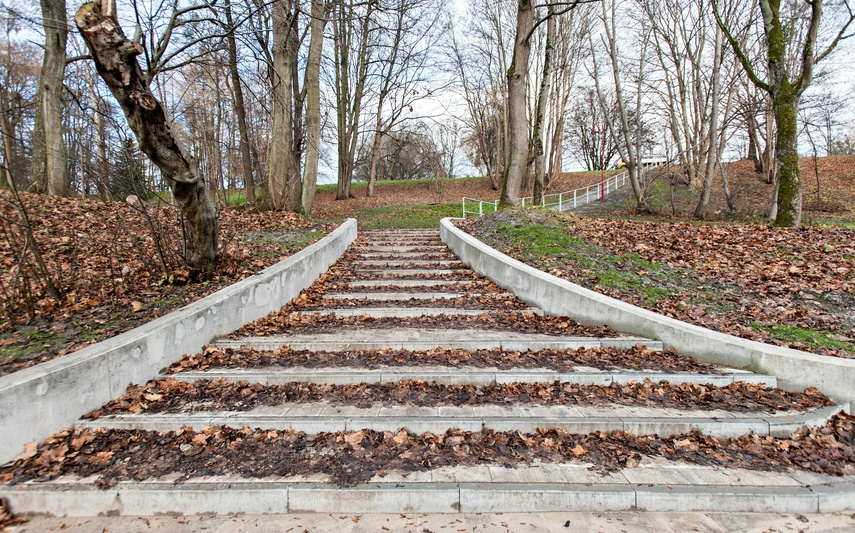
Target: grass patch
<point>811,338</point>
<point>283,241</point>
<point>406,216</point>
<point>543,239</point>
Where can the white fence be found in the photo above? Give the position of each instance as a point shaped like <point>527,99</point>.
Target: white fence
<point>478,207</point>
<point>561,201</point>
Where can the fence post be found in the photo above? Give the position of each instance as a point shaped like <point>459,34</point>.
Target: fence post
<point>480,209</point>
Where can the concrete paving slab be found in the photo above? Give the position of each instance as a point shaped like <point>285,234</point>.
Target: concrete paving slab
<point>503,522</point>
<point>727,499</point>
<point>510,498</point>
<point>422,497</point>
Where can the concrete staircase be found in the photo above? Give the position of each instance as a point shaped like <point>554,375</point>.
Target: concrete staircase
<point>412,274</point>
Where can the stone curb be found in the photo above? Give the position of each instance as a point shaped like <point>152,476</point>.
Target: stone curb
<point>260,498</point>
<point>444,418</point>
<point>795,369</point>
<point>38,401</point>
<point>453,376</point>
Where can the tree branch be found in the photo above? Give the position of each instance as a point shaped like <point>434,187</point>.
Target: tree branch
<point>737,49</point>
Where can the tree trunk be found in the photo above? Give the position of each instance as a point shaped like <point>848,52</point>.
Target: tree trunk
<point>115,60</point>
<point>786,104</point>
<point>313,106</point>
<point>375,155</point>
<point>712,143</point>
<point>279,174</point>
<point>751,124</point>
<point>240,110</point>
<point>48,165</point>
<point>517,121</point>
<point>537,139</point>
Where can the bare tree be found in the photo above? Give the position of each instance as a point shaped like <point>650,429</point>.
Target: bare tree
<point>352,23</point>
<point>787,38</point>
<point>621,131</point>
<point>116,61</point>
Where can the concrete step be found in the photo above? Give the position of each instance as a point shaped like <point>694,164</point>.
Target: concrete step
<point>466,376</point>
<point>429,339</point>
<point>563,488</point>
<point>362,263</point>
<point>390,296</point>
<point>324,417</point>
<point>408,312</point>
<point>400,272</point>
<point>407,282</point>
<point>371,255</point>
<point>384,248</point>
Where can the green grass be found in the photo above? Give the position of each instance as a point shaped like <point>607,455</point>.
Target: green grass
<point>236,198</point>
<point>358,185</point>
<point>541,238</point>
<point>814,339</point>
<point>406,216</point>
<point>286,241</point>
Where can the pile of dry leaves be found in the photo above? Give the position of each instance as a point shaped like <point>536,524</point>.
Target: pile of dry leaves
<point>350,458</point>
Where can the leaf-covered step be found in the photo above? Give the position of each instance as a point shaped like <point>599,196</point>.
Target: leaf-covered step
<point>240,354</point>
<point>169,395</point>
<point>350,458</point>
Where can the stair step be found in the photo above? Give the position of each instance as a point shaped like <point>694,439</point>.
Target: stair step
<point>408,312</point>
<point>407,282</point>
<point>320,418</point>
<point>429,339</point>
<point>464,376</point>
<point>361,263</point>
<point>383,249</point>
<point>392,296</point>
<point>536,488</point>
<point>398,272</point>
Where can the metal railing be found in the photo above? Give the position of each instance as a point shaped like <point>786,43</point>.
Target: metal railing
<point>480,207</point>
<point>561,201</point>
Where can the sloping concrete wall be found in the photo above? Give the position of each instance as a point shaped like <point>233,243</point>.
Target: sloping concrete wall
<point>795,369</point>
<point>38,401</point>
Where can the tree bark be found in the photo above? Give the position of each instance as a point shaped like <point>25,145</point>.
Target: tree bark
<point>313,106</point>
<point>240,109</point>
<point>537,138</point>
<point>48,165</point>
<point>712,143</point>
<point>789,180</point>
<point>517,120</point>
<point>280,168</point>
<point>115,60</point>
